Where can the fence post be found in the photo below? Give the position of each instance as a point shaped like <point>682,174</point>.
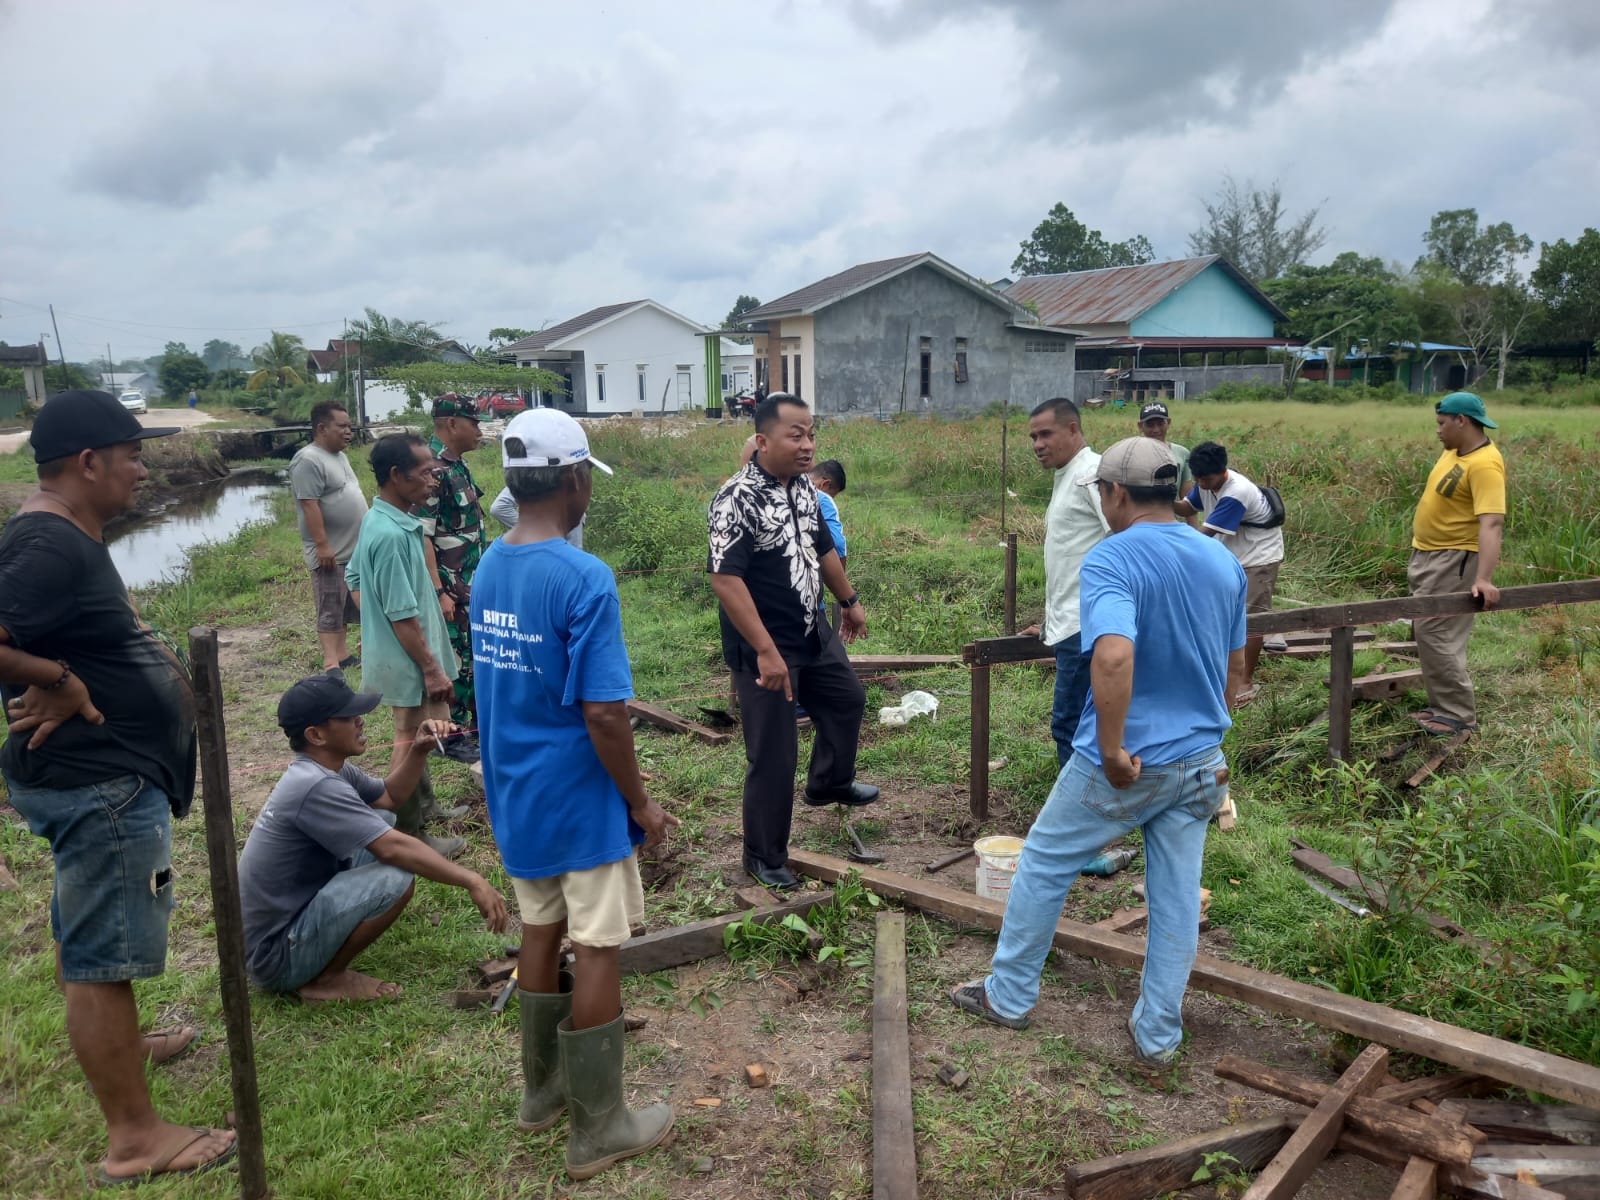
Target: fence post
<point>1011,584</point>
<point>978,773</point>
<point>225,909</point>
<point>1341,690</point>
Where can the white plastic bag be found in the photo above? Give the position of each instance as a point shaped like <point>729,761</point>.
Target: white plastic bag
<point>912,704</point>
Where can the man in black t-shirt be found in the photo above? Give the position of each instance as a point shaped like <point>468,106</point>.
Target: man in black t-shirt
<point>770,556</point>
<point>100,755</point>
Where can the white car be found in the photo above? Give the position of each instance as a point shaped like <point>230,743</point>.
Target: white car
<point>134,402</point>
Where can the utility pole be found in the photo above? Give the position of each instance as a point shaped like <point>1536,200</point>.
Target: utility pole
<point>60,353</point>
<point>110,367</point>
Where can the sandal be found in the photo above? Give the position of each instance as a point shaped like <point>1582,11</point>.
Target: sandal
<point>1422,714</point>
<point>165,1045</point>
<point>1443,726</point>
<point>162,1165</point>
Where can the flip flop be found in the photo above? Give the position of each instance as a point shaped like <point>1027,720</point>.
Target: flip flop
<point>1422,714</point>
<point>165,1045</point>
<point>183,1140</point>
<point>1246,695</point>
<point>1443,726</point>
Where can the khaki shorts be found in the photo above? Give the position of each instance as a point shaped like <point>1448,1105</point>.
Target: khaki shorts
<point>1260,583</point>
<point>336,608</point>
<point>601,905</point>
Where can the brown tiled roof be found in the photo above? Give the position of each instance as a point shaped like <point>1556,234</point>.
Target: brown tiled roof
<point>1116,295</point>
<point>546,338</point>
<point>325,360</point>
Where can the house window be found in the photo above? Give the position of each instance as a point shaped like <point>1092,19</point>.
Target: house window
<point>641,370</point>
<point>600,384</point>
<point>925,365</point>
<point>797,394</point>
<point>961,360</point>
<point>785,368</point>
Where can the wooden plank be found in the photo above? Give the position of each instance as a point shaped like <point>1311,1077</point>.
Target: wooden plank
<point>1458,1181</point>
<point>1386,684</point>
<point>978,765</point>
<point>757,897</point>
<point>1309,1145</point>
<point>670,721</point>
<point>1319,637</point>
<point>867,664</point>
<point>667,948</point>
<point>1511,1121</point>
<point>1322,649</point>
<point>1506,1061</point>
<point>1340,676</point>
<point>1140,1174</point>
<point>1436,760</point>
<point>1545,1161</point>
<point>1125,919</point>
<point>1405,608</point>
<point>1434,1087</point>
<point>222,849</point>
<point>994,651</point>
<point>894,1151</point>
<point>1419,1181</point>
<point>1412,1132</point>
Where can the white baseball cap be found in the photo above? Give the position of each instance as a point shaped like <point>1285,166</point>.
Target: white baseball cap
<point>550,438</point>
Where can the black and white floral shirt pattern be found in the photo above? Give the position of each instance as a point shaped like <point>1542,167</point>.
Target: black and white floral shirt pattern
<point>771,535</point>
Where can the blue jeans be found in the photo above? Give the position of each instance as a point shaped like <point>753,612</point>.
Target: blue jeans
<point>113,894</point>
<point>1171,803</point>
<point>1072,689</point>
<point>364,890</point>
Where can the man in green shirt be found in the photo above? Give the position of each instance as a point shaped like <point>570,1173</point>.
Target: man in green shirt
<point>452,519</point>
<point>405,645</point>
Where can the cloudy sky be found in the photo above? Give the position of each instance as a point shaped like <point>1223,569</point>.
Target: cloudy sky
<point>183,171</point>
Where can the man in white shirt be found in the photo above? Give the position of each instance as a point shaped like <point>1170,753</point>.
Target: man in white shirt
<point>1237,512</point>
<point>1072,525</point>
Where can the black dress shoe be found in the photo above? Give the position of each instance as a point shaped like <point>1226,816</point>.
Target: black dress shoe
<point>780,878</point>
<point>459,747</point>
<point>853,794</point>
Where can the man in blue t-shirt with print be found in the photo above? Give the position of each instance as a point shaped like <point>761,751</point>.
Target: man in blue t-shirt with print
<point>565,796</point>
<point>1163,616</point>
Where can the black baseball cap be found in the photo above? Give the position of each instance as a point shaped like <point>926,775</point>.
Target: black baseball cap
<point>319,698</point>
<point>79,420</point>
<point>1154,409</point>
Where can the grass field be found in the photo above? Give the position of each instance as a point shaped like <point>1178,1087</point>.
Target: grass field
<point>400,1098</point>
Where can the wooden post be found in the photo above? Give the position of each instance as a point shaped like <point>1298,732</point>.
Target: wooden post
<point>1011,584</point>
<point>978,770</point>
<point>1293,1165</point>
<point>217,794</point>
<point>1341,692</point>
<point>894,1150</point>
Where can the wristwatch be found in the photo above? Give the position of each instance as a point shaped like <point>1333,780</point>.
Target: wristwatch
<point>855,599</point>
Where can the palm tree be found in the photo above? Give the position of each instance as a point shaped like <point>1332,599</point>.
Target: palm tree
<point>392,342</point>
<point>279,360</point>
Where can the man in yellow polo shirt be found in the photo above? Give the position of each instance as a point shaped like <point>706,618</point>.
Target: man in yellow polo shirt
<point>1456,546</point>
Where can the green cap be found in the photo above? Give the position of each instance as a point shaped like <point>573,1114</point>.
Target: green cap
<point>452,405</point>
<point>1465,404</point>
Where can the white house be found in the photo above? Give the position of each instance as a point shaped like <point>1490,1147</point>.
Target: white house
<point>620,359</point>
<point>738,368</point>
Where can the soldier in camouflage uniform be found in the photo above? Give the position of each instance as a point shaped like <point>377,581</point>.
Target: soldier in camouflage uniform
<point>453,524</point>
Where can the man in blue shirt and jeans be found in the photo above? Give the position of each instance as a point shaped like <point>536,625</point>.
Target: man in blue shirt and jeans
<point>1163,612</point>
<point>566,799</point>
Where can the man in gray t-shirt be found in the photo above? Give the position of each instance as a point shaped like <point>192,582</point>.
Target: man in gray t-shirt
<point>324,873</point>
<point>331,507</point>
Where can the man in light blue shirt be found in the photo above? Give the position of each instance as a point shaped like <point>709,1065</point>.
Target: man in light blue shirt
<point>1163,612</point>
<point>405,643</point>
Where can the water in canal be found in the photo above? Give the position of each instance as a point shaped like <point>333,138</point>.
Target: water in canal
<point>154,548</point>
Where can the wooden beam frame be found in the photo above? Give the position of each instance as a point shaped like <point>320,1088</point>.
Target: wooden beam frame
<point>1155,1170</point>
<point>1523,1066</point>
<point>1318,1133</point>
<point>682,944</point>
<point>1406,608</point>
<point>661,718</point>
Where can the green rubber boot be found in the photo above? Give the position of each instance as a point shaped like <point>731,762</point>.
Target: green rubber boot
<point>544,1096</point>
<point>604,1129</point>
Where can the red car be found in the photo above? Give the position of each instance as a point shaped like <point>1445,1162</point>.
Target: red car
<point>501,405</point>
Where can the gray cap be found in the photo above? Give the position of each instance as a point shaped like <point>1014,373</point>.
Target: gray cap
<point>1138,462</point>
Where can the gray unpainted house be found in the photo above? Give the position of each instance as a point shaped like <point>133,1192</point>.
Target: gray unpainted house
<point>909,334</point>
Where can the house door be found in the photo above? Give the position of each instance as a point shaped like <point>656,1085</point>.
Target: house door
<point>685,389</point>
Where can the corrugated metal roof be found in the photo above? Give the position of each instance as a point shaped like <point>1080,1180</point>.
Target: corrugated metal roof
<point>825,291</point>
<point>1117,295</point>
<point>546,338</point>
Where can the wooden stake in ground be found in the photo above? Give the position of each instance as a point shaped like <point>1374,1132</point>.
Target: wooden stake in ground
<point>1293,1165</point>
<point>233,984</point>
<point>894,1151</point>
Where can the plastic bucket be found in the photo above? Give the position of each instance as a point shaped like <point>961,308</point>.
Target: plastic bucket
<point>997,864</point>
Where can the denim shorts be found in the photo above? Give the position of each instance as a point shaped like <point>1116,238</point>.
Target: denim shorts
<point>365,890</point>
<point>112,844</point>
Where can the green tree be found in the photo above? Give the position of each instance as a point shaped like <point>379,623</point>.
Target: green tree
<point>1474,270</point>
<point>219,355</point>
<point>503,335</point>
<point>390,341</point>
<point>1472,256</point>
<point>425,380</point>
<point>1567,279</point>
<point>735,317</point>
<point>1352,302</point>
<point>1061,243</point>
<point>181,370</point>
<point>1249,227</point>
<point>280,362</point>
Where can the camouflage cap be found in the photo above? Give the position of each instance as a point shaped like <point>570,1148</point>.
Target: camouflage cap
<point>452,405</point>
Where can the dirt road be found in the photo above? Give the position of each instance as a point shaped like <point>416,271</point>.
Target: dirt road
<point>183,418</point>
